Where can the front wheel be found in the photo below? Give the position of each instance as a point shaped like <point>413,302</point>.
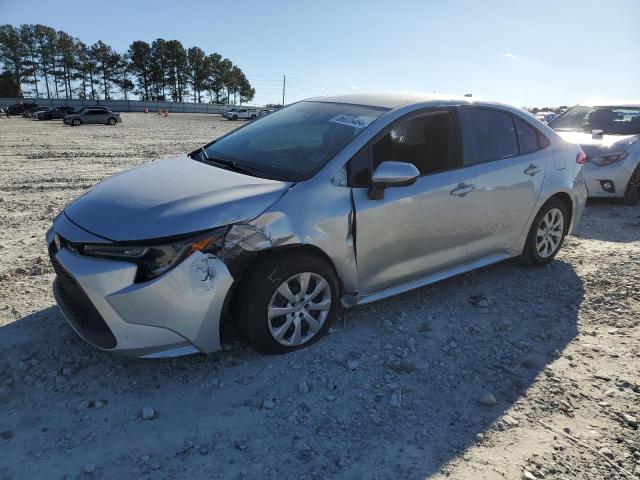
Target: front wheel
<point>546,234</point>
<point>235,117</point>
<point>112,121</point>
<point>286,302</point>
<point>632,192</point>
<point>76,122</point>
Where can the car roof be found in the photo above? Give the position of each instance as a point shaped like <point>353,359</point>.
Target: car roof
<point>610,103</point>
<point>392,99</point>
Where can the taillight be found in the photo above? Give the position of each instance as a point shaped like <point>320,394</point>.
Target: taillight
<point>581,158</point>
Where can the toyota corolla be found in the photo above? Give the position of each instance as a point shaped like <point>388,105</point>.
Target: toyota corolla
<point>328,203</point>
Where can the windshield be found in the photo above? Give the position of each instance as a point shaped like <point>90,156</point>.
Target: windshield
<point>294,143</point>
<point>611,120</point>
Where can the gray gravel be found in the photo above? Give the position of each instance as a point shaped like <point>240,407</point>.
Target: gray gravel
<point>507,372</point>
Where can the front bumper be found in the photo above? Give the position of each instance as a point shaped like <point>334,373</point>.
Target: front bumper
<point>618,173</point>
<point>175,314</point>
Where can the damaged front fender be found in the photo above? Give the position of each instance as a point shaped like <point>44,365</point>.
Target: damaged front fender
<point>247,237</point>
<point>327,226</point>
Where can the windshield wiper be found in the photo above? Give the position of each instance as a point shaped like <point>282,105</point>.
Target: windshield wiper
<point>238,167</point>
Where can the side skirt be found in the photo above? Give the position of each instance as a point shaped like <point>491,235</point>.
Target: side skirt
<point>433,278</point>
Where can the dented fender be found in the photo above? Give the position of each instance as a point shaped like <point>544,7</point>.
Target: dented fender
<point>297,218</point>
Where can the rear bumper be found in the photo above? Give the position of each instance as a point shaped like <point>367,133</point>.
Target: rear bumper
<point>580,194</point>
<point>175,314</point>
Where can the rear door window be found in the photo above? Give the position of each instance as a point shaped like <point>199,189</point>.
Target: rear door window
<point>493,133</point>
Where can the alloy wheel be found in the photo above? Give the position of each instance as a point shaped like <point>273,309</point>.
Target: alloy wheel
<point>299,308</point>
<point>549,234</point>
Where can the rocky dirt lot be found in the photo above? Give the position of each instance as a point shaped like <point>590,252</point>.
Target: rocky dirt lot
<point>507,372</point>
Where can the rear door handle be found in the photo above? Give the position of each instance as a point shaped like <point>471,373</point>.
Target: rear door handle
<point>462,189</point>
<point>532,170</point>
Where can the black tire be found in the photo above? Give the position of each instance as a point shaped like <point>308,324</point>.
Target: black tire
<point>253,117</point>
<point>632,192</point>
<point>259,285</point>
<point>530,254</point>
<point>76,122</point>
<point>112,121</point>
<point>235,117</point>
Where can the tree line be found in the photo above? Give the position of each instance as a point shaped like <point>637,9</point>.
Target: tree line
<point>43,62</point>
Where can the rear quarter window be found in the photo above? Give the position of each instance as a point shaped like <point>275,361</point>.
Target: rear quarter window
<point>527,136</point>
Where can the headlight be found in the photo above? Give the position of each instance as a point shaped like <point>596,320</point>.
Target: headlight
<point>603,160</point>
<point>154,260</point>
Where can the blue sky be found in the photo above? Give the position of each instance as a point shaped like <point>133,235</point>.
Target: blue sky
<point>527,53</point>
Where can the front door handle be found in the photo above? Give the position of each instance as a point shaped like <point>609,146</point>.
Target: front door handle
<point>532,170</point>
<point>462,189</point>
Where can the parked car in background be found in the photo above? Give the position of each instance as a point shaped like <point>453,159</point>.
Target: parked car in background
<point>54,113</point>
<point>38,110</point>
<point>27,112</point>
<point>263,112</point>
<point>546,117</point>
<point>241,113</point>
<point>18,108</point>
<point>609,133</point>
<point>336,201</point>
<point>93,115</point>
<point>94,107</point>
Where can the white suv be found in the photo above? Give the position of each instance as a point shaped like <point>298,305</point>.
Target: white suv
<point>236,113</point>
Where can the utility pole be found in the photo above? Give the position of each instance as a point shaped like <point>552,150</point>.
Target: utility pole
<point>284,83</point>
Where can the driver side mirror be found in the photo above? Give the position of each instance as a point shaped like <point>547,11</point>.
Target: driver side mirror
<point>391,174</point>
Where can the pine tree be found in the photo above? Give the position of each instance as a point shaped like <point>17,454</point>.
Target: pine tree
<point>140,64</point>
<point>12,53</point>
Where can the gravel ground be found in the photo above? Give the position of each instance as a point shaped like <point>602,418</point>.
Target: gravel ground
<point>507,372</point>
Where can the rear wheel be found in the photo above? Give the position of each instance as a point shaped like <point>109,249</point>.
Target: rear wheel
<point>632,192</point>
<point>76,122</point>
<point>286,302</point>
<point>546,234</point>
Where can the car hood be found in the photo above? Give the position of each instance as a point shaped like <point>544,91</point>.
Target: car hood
<point>593,146</point>
<point>171,197</point>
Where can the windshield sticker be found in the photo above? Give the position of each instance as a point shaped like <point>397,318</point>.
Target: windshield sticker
<point>349,121</point>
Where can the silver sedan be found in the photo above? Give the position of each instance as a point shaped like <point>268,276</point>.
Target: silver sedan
<point>328,203</point>
<point>100,115</point>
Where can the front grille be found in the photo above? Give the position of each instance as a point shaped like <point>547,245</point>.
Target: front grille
<point>78,308</point>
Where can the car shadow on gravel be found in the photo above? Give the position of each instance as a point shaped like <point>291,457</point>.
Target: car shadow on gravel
<point>400,388</point>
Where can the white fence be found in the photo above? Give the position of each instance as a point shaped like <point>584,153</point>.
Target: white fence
<point>122,105</point>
